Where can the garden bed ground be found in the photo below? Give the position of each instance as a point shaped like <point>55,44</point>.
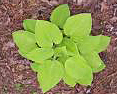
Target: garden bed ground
<point>16,76</point>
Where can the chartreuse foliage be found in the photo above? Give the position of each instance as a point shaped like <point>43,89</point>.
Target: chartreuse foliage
<point>62,48</point>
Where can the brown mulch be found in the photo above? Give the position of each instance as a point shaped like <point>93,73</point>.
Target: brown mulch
<point>16,76</point>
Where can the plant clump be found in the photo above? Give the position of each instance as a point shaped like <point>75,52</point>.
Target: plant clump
<point>62,48</point>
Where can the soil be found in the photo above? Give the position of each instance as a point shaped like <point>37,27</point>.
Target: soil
<point>16,76</point>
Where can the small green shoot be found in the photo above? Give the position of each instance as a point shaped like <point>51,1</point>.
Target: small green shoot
<point>62,48</point>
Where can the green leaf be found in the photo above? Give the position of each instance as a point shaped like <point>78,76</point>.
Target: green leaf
<point>93,60</point>
<point>70,46</point>
<point>25,41</point>
<point>77,68</point>
<point>50,73</point>
<point>89,44</point>
<point>104,42</point>
<point>90,47</point>
<point>60,15</point>
<point>47,34</point>
<point>69,80</point>
<point>78,26</point>
<point>93,43</point>
<point>79,21</point>
<point>40,54</point>
<point>29,25</point>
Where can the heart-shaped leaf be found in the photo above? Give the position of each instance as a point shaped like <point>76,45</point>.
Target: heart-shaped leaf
<point>89,44</point>
<point>50,73</point>
<point>40,54</point>
<point>77,68</point>
<point>25,41</point>
<point>60,15</point>
<point>29,25</point>
<point>93,43</point>
<point>93,61</point>
<point>104,42</point>
<point>47,34</point>
<point>78,26</point>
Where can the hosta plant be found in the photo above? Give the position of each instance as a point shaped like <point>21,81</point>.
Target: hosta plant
<point>62,48</point>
